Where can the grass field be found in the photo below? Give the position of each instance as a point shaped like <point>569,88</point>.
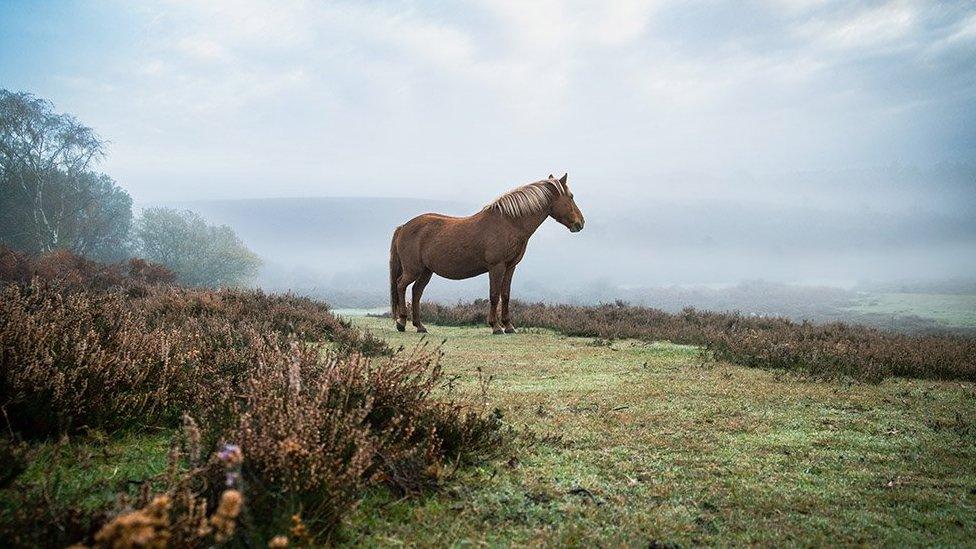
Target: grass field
<point>628,443</point>
<point>950,310</point>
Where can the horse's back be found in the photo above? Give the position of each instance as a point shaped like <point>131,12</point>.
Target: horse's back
<point>418,229</point>
<point>451,247</point>
<point>425,223</point>
<point>434,218</point>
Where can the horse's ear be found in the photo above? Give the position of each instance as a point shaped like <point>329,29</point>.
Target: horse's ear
<point>563,178</point>
<point>552,176</point>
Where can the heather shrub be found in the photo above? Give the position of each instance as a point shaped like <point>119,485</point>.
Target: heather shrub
<point>179,511</point>
<point>318,430</point>
<point>73,271</point>
<point>283,314</point>
<point>765,342</point>
<point>167,305</point>
<point>87,345</point>
<point>85,352</point>
<point>410,398</point>
<point>309,447</point>
<point>70,360</point>
<point>304,436</point>
<point>14,265</point>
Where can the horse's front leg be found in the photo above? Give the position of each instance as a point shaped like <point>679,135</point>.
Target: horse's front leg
<point>506,293</point>
<point>495,278</point>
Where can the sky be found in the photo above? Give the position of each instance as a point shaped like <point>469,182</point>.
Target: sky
<point>463,100</point>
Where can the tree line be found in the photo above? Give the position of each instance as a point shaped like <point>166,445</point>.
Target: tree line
<point>52,197</point>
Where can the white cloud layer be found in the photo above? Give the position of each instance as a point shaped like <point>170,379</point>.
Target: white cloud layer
<point>234,98</point>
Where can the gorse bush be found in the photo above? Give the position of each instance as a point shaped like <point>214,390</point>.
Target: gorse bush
<point>82,351</point>
<point>766,342</point>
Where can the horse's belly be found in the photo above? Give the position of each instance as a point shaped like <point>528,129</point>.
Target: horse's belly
<point>454,256</point>
<point>457,272</point>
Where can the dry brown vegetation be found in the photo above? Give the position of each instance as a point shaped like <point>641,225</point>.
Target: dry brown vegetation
<point>830,349</point>
<point>88,348</point>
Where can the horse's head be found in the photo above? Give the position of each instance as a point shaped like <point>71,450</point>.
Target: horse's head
<point>563,208</point>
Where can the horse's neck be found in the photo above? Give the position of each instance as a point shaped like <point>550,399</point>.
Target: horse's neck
<point>524,225</point>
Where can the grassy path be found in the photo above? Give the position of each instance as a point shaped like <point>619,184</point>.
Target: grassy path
<point>630,443</point>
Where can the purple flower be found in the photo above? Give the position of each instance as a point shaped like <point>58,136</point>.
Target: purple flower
<point>231,455</point>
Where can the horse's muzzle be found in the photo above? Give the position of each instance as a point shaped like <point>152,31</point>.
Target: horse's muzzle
<point>576,227</point>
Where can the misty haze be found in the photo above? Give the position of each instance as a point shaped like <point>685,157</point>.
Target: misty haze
<point>684,240</point>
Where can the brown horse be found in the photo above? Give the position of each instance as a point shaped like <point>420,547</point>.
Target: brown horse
<point>491,241</point>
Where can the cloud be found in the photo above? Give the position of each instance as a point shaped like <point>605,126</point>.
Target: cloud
<point>202,49</point>
<point>863,29</point>
<point>553,26</point>
<point>961,36</point>
<point>315,96</point>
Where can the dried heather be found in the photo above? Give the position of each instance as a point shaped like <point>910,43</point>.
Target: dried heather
<point>146,527</point>
<point>765,342</point>
<point>224,519</point>
<point>272,427</point>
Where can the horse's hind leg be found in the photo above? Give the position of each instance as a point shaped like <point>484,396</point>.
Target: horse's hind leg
<point>418,292</point>
<point>405,279</point>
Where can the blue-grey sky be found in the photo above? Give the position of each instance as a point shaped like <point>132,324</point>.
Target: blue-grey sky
<point>463,99</point>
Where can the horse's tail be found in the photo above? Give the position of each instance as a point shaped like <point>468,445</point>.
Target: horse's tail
<point>396,269</point>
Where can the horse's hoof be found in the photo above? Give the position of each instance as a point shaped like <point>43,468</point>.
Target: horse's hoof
<point>401,327</point>
<point>510,330</point>
<point>421,330</point>
<point>497,331</point>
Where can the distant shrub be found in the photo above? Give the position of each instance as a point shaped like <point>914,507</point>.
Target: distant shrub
<point>201,254</point>
<point>766,342</point>
<point>14,266</point>
<point>150,273</point>
<point>73,271</point>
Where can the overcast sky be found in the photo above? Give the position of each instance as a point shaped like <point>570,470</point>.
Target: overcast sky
<point>463,99</point>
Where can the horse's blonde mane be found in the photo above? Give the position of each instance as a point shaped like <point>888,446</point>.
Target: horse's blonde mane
<point>528,199</point>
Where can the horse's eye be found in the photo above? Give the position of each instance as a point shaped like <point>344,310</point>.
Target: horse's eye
<point>570,196</point>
